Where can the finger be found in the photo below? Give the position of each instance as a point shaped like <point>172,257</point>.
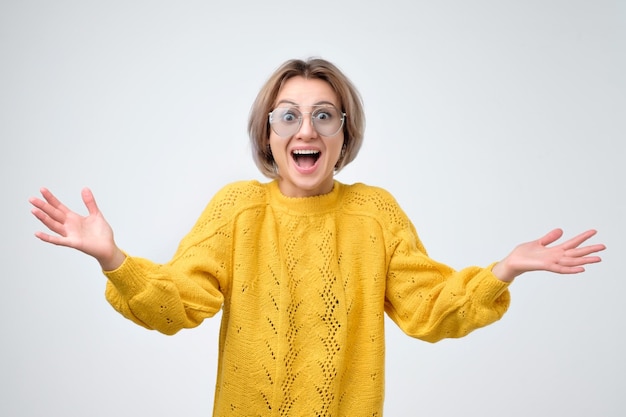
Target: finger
<point>47,209</point>
<point>568,270</point>
<point>574,262</point>
<point>584,251</point>
<point>49,222</point>
<point>55,240</point>
<point>551,237</point>
<point>90,201</point>
<point>52,200</point>
<point>36,202</point>
<point>579,239</point>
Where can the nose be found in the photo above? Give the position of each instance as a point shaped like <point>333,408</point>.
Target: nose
<point>307,130</point>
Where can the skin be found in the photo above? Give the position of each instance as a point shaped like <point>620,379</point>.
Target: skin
<point>93,235</point>
<point>90,234</point>
<point>293,181</point>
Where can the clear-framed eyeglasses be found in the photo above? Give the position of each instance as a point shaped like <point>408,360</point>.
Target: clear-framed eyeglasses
<point>286,120</point>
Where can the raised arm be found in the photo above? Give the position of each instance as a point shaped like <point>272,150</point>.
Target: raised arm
<point>90,234</point>
<point>565,258</point>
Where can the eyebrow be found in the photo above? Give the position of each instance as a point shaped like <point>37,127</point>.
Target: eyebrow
<point>319,103</point>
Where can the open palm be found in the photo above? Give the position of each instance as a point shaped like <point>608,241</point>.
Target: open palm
<point>568,257</point>
<point>90,234</point>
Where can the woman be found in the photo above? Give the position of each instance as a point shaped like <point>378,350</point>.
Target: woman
<point>304,267</point>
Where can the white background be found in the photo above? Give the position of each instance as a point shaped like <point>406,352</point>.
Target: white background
<point>492,122</point>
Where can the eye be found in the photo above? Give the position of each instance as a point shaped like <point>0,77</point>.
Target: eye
<point>289,117</point>
<point>286,115</point>
<point>324,115</point>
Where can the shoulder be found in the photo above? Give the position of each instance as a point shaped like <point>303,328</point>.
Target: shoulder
<point>241,192</point>
<point>235,198</point>
<point>369,192</point>
<point>368,197</point>
<point>381,206</point>
<point>375,202</point>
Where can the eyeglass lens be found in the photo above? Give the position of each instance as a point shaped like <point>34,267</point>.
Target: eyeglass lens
<point>286,121</point>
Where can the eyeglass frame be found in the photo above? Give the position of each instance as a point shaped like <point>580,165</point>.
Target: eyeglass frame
<point>301,117</point>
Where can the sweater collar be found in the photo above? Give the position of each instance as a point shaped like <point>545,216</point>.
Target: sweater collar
<point>306,205</point>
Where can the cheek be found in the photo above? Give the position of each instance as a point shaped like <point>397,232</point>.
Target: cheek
<point>338,146</point>
<point>276,148</point>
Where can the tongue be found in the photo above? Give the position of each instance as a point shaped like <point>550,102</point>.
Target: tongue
<point>305,161</point>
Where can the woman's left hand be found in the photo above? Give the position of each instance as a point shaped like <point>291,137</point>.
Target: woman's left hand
<point>565,258</point>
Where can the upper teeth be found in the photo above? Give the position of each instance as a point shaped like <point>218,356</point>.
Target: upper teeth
<point>305,151</point>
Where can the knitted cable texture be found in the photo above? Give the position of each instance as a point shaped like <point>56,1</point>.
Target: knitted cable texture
<point>303,284</point>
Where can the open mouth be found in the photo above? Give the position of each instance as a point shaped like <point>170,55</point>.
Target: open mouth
<point>305,158</point>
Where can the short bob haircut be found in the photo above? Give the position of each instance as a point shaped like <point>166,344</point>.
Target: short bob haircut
<point>313,68</point>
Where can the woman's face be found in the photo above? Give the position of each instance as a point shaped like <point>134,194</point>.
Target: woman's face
<point>305,158</point>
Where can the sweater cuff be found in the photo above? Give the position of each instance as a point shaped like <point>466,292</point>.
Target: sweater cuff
<point>491,288</point>
<point>129,278</point>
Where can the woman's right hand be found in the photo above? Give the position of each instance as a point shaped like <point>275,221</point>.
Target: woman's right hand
<point>90,234</point>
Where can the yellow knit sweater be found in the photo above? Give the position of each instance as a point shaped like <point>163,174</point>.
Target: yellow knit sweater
<point>304,284</point>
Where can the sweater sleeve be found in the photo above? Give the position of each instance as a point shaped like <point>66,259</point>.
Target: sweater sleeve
<point>186,290</point>
<point>166,298</point>
<point>431,301</point>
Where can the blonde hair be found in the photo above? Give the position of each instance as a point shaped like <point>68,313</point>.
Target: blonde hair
<point>313,68</point>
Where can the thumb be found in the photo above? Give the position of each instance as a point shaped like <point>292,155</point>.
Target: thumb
<point>90,201</point>
<point>551,237</point>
